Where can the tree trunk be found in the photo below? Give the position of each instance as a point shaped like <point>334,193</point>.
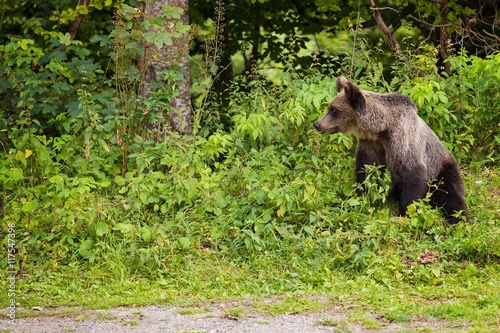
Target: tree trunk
<point>168,56</point>
<point>444,37</point>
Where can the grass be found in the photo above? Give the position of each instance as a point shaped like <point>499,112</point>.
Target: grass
<point>130,322</point>
<point>328,321</point>
<point>340,325</point>
<point>368,322</point>
<point>190,311</point>
<point>457,284</point>
<point>106,316</point>
<point>292,304</point>
<point>234,312</point>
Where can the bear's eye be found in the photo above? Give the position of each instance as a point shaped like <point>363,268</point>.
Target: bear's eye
<point>333,111</point>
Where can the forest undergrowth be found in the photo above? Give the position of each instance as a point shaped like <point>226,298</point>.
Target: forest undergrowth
<point>254,204</point>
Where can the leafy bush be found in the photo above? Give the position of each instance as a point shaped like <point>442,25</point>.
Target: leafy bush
<point>461,108</point>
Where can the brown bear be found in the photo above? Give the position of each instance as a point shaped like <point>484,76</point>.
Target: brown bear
<point>390,133</point>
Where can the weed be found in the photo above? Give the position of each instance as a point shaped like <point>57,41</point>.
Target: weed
<point>366,320</point>
<point>81,317</point>
<point>130,322</point>
<point>342,326</point>
<point>234,312</point>
<point>106,316</point>
<point>328,321</point>
<point>290,305</point>
<point>192,311</point>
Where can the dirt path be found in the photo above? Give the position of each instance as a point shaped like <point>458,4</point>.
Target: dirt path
<point>227,317</point>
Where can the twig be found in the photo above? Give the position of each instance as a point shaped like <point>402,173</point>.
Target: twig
<point>385,29</point>
<point>431,24</point>
<point>73,29</point>
<point>495,37</point>
<point>385,8</point>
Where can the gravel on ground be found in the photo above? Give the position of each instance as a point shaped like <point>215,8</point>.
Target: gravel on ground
<point>212,318</point>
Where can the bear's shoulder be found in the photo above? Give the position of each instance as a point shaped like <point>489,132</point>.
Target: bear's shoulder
<point>392,103</point>
<point>394,98</point>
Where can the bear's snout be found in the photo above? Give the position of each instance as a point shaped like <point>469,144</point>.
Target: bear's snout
<point>320,127</point>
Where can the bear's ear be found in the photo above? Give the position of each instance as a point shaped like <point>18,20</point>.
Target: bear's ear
<point>341,82</point>
<point>352,93</point>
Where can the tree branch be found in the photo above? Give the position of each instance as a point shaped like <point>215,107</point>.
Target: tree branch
<point>385,29</point>
<point>73,29</point>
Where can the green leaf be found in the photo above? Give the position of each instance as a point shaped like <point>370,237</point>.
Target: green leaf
<point>353,202</point>
<point>16,174</point>
<point>57,179</point>
<point>308,230</point>
<point>119,180</point>
<point>436,272</point>
<point>172,12</point>
<point>125,228</point>
<point>101,228</point>
<point>443,98</point>
<point>185,242</point>
<point>86,248</point>
<point>314,159</point>
<point>105,183</point>
<point>126,11</point>
<point>146,233</point>
<point>82,10</point>
<point>162,39</point>
<point>30,206</point>
<point>144,197</point>
<point>88,244</point>
<point>65,39</point>
<point>23,43</point>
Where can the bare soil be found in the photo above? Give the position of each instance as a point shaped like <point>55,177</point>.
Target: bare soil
<point>213,318</point>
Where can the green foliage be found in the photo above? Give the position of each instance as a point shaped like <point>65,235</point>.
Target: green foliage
<point>461,108</point>
<point>268,182</point>
<point>90,186</point>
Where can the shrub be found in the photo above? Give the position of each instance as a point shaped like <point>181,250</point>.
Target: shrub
<point>461,108</point>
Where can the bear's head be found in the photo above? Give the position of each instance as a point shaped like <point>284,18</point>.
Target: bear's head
<point>343,110</point>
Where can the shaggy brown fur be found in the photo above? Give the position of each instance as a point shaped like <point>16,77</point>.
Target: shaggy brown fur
<point>391,133</point>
